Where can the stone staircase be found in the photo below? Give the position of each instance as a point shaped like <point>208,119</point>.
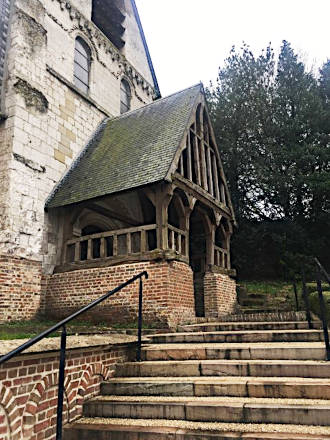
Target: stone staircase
<point>217,380</point>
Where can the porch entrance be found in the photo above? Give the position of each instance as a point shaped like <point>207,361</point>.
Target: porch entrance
<point>197,258</point>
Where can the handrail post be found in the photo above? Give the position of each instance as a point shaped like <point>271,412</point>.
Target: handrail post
<point>323,315</point>
<point>60,392</point>
<point>138,356</point>
<point>321,269</point>
<point>306,300</point>
<point>296,295</point>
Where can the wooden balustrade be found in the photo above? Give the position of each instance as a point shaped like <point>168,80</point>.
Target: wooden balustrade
<point>177,240</point>
<point>221,257</point>
<point>111,244</point>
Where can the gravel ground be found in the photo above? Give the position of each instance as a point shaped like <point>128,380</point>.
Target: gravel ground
<point>309,402</point>
<point>234,345</point>
<point>222,427</point>
<point>51,344</point>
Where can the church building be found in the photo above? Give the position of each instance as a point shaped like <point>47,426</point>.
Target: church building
<point>101,178</point>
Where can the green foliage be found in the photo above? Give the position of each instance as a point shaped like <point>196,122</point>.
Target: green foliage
<point>312,287</point>
<point>272,121</point>
<point>315,305</point>
<point>266,287</point>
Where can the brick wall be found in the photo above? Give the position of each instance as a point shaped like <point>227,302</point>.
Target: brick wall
<point>219,294</point>
<point>20,288</point>
<point>168,293</point>
<point>28,388</point>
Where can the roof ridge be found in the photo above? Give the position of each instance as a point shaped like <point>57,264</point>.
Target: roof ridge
<point>200,84</point>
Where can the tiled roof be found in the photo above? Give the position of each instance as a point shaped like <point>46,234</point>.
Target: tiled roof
<point>129,151</point>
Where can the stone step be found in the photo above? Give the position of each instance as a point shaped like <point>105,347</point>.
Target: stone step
<point>146,429</point>
<point>211,409</point>
<point>234,326</point>
<point>197,368</point>
<point>275,316</point>
<point>256,309</point>
<point>240,336</point>
<point>274,387</point>
<point>270,350</point>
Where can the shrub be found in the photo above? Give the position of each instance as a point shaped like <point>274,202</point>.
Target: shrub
<point>312,287</point>
<point>315,305</point>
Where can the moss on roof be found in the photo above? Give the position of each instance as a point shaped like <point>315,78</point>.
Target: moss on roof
<point>129,151</point>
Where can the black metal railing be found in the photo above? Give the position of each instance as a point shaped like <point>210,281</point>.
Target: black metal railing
<point>62,324</point>
<point>320,271</point>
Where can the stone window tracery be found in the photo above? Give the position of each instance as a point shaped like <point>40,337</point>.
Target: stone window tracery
<point>82,64</point>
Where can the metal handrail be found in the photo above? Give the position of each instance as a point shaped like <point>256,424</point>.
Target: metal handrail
<point>62,324</point>
<point>320,270</point>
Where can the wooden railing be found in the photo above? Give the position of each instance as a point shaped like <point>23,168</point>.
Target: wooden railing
<point>111,244</point>
<point>177,240</point>
<point>221,257</point>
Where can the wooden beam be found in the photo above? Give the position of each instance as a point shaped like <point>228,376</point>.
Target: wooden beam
<point>200,194</point>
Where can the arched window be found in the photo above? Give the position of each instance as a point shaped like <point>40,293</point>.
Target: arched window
<point>82,63</point>
<point>125,96</point>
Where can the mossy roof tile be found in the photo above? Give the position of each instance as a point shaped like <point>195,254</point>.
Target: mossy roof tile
<point>134,149</point>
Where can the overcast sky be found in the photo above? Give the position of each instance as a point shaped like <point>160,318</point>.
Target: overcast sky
<point>189,39</point>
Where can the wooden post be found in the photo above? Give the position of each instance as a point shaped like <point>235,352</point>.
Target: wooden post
<point>77,251</point>
<point>181,165</point>
<point>102,248</point>
<point>179,243</point>
<point>173,240</point>
<point>129,243</point>
<point>115,245</point>
<point>163,198</point>
<point>197,161</point>
<point>223,194</point>
<point>209,170</point>
<point>215,177</point>
<point>89,249</point>
<point>204,172</point>
<point>189,157</point>
<point>143,242</point>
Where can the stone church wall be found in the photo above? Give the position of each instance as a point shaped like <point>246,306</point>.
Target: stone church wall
<point>48,120</point>
<point>168,293</point>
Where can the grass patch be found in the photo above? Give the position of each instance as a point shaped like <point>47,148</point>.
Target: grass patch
<point>31,328</point>
<point>266,287</point>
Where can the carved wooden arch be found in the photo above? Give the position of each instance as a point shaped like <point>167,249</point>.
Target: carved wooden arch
<point>180,208</point>
<point>88,217</point>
